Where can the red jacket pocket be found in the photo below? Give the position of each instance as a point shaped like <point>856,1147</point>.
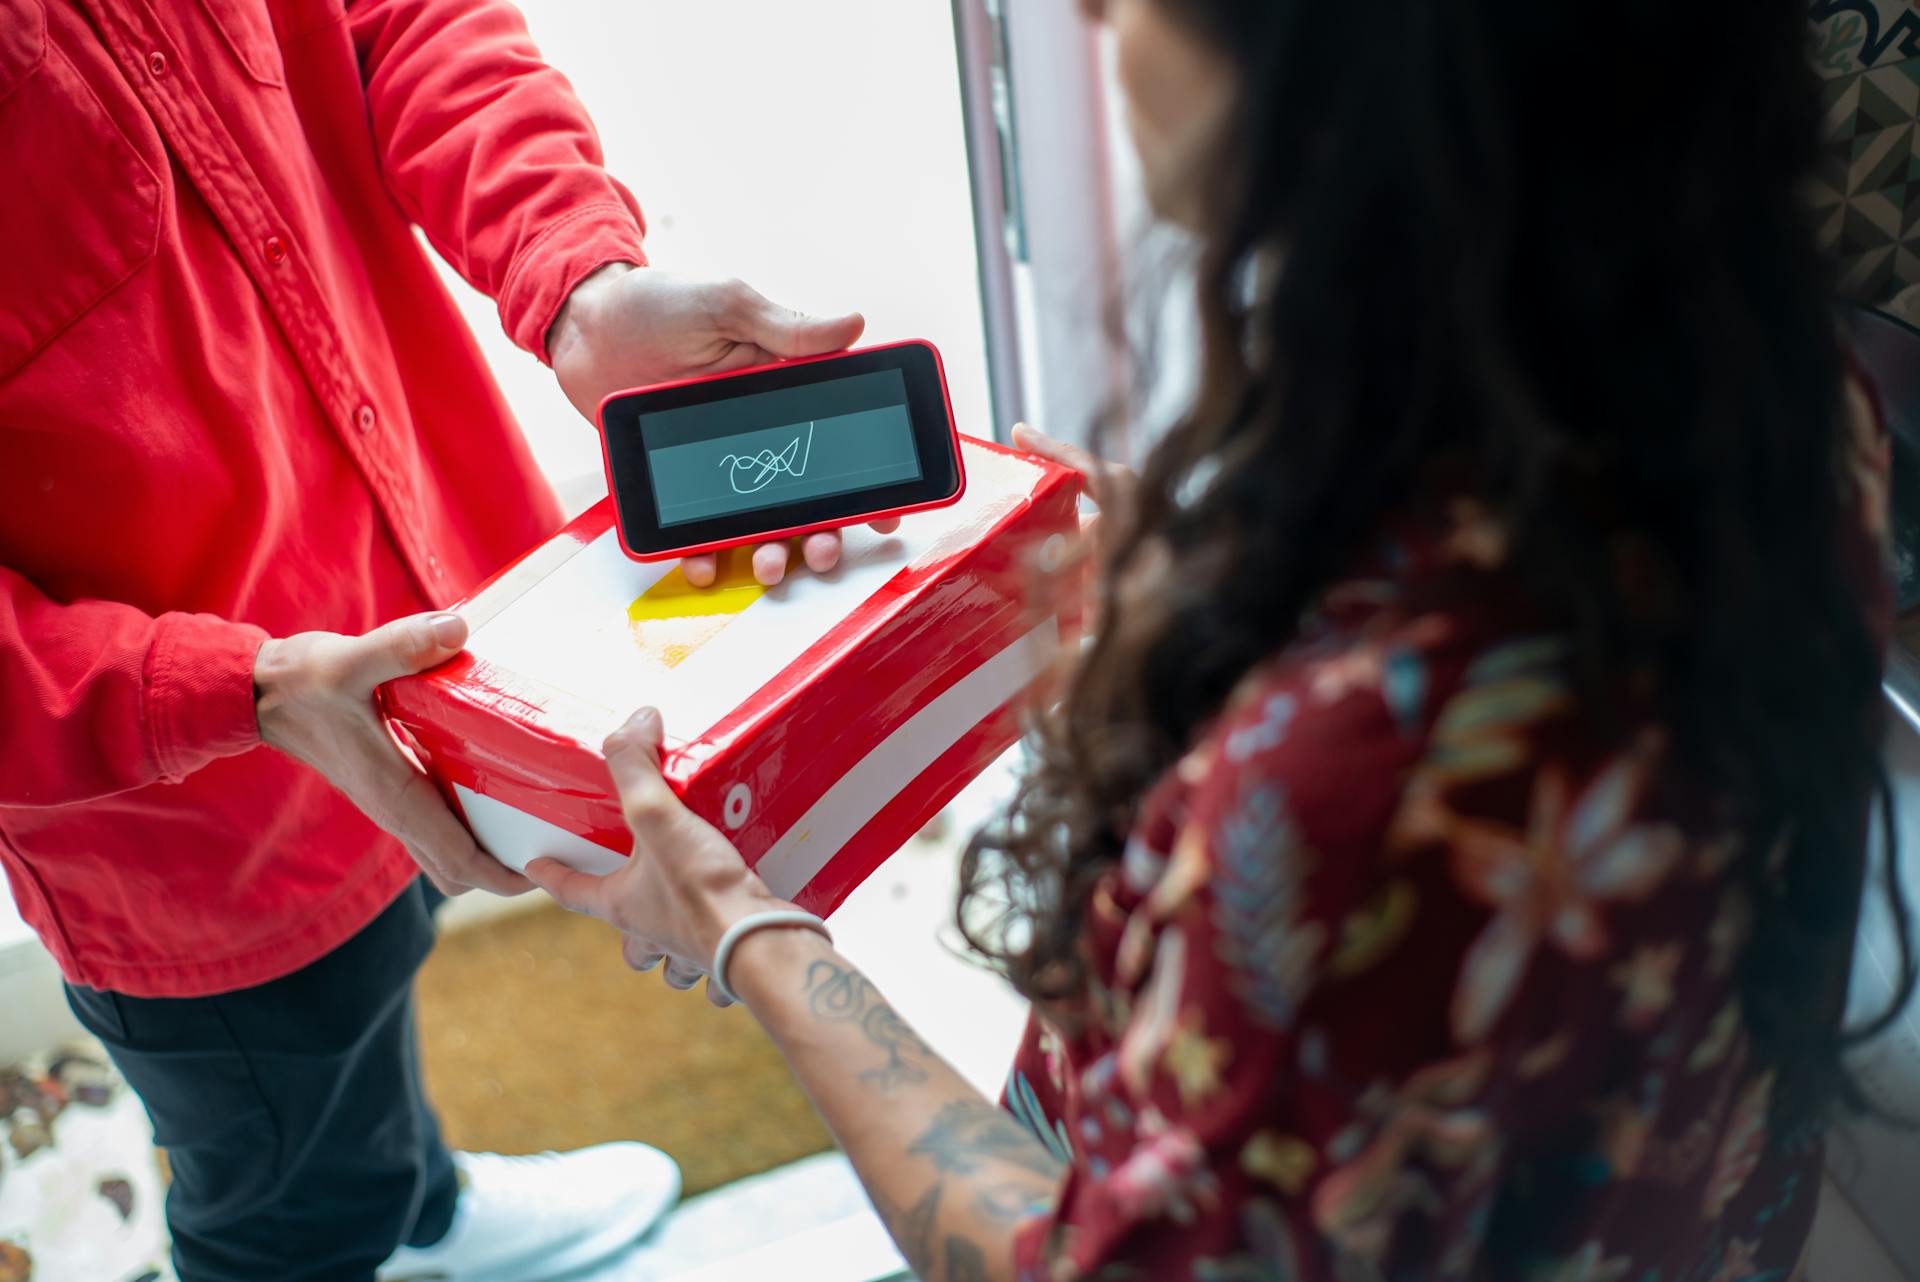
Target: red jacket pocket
<point>82,210</point>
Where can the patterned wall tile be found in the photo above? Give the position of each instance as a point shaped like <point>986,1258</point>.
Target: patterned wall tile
<point>1867,193</point>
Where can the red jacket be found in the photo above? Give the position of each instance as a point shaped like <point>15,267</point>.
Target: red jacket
<point>236,402</point>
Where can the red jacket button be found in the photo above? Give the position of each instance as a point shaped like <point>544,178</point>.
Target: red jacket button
<point>276,250</point>
<point>363,418</point>
<point>157,63</point>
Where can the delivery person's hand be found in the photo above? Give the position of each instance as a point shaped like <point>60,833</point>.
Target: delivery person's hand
<point>627,326</point>
<point>685,883</point>
<point>315,703</point>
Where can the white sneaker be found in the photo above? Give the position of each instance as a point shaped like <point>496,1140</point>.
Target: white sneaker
<point>524,1219</point>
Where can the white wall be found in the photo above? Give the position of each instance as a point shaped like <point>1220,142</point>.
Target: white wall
<point>813,148</point>
<point>33,1010</point>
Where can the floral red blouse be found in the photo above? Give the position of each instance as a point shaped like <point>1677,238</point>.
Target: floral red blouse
<point>1408,974</point>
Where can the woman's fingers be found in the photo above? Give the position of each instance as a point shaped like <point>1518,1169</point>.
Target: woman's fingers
<point>633,759</point>
<point>1034,441</point>
<point>680,976</point>
<point>639,954</point>
<point>701,569</point>
<point>1106,482</point>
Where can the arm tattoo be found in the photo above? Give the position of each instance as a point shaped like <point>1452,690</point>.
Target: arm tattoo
<point>913,1227</point>
<point>1013,1202</point>
<point>965,1261</point>
<point>840,995</point>
<point>964,1137</point>
<point>967,1133</point>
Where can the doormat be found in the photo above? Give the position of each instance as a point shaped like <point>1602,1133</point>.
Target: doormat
<point>536,1036</point>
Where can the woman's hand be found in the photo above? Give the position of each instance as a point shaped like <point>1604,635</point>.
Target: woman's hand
<point>1109,485</point>
<point>685,883</point>
<point>953,1176</point>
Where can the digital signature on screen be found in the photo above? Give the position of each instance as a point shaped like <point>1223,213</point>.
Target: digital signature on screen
<point>777,448</point>
<point>781,450</point>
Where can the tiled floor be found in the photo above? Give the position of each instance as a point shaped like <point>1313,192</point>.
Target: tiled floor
<point>803,1223</point>
<point>53,1203</point>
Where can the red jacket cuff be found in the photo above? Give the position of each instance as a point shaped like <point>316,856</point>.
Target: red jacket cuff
<point>557,260</point>
<point>200,701</point>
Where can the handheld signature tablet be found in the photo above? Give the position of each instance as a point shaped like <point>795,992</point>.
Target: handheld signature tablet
<point>780,450</point>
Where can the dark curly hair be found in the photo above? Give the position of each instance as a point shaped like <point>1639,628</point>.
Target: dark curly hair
<point>1568,243</point>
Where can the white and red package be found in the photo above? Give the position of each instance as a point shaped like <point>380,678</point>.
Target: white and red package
<point>819,724</point>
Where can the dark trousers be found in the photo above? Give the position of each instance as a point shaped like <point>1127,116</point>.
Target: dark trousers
<point>301,1143</point>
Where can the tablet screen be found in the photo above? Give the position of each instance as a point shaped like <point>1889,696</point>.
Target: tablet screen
<point>775,448</point>
<point>781,450</point>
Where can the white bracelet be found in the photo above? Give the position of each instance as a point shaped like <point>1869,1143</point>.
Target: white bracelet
<point>717,977</point>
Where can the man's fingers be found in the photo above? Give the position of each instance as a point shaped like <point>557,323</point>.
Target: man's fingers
<point>818,552</point>
<point>633,759</point>
<point>450,889</point>
<point>573,890</point>
<point>821,551</point>
<point>770,563</point>
<point>403,647</point>
<point>742,356</point>
<point>425,822</point>
<point>404,802</point>
<point>887,526</point>
<point>787,333</point>
<point>701,569</point>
